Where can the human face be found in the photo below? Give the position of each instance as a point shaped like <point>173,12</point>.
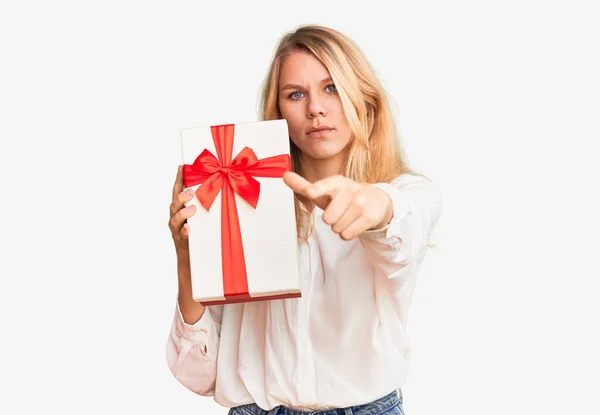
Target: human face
<point>309,102</point>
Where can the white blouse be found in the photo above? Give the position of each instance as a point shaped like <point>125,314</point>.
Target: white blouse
<point>343,343</point>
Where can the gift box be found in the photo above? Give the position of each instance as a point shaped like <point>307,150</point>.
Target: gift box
<point>243,238</point>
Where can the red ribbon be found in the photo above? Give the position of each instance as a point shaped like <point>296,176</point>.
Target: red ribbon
<point>221,173</point>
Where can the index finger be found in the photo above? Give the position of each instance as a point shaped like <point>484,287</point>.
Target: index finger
<point>178,185</point>
<point>320,192</point>
<point>296,182</point>
<point>329,186</point>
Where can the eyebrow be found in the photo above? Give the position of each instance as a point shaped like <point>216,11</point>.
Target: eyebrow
<point>295,86</point>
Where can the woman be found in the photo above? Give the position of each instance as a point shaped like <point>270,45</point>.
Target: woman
<point>364,222</point>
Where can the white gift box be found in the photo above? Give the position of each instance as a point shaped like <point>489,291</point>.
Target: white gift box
<point>257,259</point>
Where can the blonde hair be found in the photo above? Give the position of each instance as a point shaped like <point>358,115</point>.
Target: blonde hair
<point>374,154</point>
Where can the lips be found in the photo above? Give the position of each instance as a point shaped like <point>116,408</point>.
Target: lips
<point>320,131</point>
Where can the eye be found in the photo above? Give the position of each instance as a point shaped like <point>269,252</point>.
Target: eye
<point>331,88</point>
<point>295,95</point>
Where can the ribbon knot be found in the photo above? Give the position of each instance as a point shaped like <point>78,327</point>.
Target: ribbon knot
<point>222,174</point>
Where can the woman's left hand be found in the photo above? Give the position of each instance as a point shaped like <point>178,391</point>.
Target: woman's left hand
<point>349,207</point>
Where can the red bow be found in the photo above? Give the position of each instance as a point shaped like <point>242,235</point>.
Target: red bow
<point>221,173</point>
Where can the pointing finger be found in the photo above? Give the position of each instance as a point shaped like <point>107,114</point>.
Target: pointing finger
<point>297,183</point>
<point>328,187</point>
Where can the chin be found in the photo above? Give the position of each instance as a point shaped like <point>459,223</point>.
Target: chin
<point>321,154</point>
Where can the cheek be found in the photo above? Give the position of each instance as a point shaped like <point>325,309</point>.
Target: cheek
<point>294,116</point>
<point>338,110</point>
<point>344,124</point>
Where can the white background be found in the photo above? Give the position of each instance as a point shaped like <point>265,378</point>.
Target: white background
<point>498,102</point>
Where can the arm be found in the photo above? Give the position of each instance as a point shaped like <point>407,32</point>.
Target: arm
<point>401,243</point>
<point>193,344</point>
<point>393,221</point>
<point>194,338</point>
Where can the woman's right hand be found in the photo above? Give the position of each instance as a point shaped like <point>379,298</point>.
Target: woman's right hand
<point>180,229</point>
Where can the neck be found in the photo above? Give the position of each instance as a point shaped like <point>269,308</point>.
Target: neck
<point>318,169</point>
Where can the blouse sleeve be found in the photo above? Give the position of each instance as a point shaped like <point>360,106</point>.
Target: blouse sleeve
<point>192,350</point>
<point>397,247</point>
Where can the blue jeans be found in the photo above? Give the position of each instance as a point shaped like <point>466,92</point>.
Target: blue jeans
<point>388,405</point>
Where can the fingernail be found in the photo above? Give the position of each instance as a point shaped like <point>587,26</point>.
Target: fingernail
<point>191,208</point>
<point>189,192</point>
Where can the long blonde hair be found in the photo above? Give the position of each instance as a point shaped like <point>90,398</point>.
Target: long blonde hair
<point>375,153</point>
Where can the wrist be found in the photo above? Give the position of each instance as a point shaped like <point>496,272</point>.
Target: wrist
<point>389,211</point>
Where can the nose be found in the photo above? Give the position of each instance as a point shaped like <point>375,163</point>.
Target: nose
<point>316,108</point>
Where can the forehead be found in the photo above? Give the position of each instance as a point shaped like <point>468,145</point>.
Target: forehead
<point>302,67</point>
